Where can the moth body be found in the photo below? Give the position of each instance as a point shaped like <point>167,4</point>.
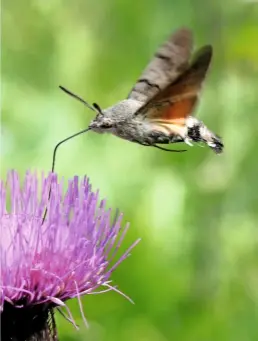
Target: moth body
<point>121,120</point>
<point>159,108</point>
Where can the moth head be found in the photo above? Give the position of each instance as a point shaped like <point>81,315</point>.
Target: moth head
<point>100,123</point>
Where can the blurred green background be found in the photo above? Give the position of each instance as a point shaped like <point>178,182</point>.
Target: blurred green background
<point>194,276</point>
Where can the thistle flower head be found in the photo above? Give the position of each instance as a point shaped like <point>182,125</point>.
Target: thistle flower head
<point>45,262</point>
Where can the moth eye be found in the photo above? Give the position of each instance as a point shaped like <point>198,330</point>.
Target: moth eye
<point>106,125</point>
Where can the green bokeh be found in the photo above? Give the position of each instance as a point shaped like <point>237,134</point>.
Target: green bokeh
<point>194,276</point>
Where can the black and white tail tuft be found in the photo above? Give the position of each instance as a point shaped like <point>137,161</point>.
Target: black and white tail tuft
<point>198,132</point>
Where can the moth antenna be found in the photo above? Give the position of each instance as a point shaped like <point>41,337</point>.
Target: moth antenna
<point>97,107</point>
<point>77,97</point>
<point>54,160</point>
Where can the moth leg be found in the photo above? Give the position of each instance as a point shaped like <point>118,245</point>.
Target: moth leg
<point>170,150</point>
<point>161,148</point>
<point>188,140</point>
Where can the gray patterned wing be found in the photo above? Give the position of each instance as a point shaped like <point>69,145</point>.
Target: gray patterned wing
<point>176,102</point>
<point>169,62</point>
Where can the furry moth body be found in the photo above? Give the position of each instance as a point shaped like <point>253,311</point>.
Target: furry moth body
<point>159,108</point>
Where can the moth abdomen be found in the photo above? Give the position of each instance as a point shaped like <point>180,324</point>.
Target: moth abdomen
<point>216,145</point>
<point>198,132</point>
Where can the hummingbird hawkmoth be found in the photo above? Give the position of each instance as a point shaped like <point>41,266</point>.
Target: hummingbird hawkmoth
<point>159,108</point>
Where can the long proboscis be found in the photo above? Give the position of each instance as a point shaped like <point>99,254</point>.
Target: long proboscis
<point>54,159</point>
<point>63,141</point>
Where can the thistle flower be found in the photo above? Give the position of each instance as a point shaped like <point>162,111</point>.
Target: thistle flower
<point>45,262</point>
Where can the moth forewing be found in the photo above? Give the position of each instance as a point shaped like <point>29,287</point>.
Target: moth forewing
<point>170,60</point>
<point>179,97</point>
<point>171,108</point>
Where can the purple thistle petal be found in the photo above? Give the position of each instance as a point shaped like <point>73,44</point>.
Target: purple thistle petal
<point>68,255</point>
